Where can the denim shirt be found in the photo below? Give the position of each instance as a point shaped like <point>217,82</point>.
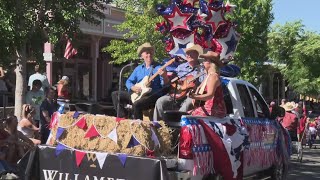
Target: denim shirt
<point>142,71</point>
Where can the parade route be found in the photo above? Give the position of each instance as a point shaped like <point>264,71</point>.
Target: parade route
<point>309,168</point>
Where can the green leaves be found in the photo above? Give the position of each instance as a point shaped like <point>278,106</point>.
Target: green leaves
<point>300,51</point>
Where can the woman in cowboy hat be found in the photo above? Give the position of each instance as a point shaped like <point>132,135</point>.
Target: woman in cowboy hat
<point>210,91</point>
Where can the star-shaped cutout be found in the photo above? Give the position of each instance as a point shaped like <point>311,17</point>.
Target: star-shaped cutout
<point>229,7</point>
<point>181,44</point>
<point>215,18</point>
<point>191,2</point>
<point>177,19</point>
<point>229,44</point>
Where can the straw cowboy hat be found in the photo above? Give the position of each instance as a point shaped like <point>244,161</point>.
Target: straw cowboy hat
<point>213,56</point>
<point>144,47</point>
<point>289,106</point>
<point>193,47</point>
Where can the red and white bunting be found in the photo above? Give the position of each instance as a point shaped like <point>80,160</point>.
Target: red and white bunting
<point>92,132</point>
<point>82,123</point>
<point>101,158</point>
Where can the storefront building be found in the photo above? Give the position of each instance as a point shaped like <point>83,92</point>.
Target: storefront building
<point>91,75</point>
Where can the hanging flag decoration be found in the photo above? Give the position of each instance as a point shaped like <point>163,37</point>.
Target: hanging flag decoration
<point>60,147</point>
<point>59,132</point>
<point>92,132</point>
<point>133,142</point>
<point>119,119</point>
<point>122,158</point>
<point>69,51</point>
<point>113,135</point>
<point>205,24</point>
<point>54,119</point>
<point>82,123</point>
<point>101,158</point>
<point>79,157</point>
<point>61,109</point>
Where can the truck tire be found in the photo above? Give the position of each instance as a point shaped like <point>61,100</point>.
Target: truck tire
<point>279,171</point>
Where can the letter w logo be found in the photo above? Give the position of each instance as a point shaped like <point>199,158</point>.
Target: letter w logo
<point>49,174</point>
<point>92,157</point>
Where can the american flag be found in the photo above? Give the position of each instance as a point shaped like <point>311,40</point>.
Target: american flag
<point>70,51</point>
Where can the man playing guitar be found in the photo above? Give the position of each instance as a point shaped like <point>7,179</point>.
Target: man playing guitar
<point>148,69</point>
<point>184,104</point>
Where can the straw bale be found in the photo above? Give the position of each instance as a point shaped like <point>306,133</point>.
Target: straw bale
<point>74,136</point>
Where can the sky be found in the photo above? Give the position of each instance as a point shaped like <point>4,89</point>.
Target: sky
<point>291,10</point>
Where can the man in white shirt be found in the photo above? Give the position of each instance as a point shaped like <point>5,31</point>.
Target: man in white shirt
<point>39,76</point>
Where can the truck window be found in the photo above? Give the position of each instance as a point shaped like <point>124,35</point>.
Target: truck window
<point>227,99</point>
<point>261,106</point>
<point>245,100</point>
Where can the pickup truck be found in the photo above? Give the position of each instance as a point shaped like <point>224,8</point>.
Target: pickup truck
<point>262,156</point>
<point>264,150</point>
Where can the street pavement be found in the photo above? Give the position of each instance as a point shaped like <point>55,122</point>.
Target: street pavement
<point>309,168</point>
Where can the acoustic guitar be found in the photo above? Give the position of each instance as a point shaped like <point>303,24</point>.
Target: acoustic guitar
<point>145,83</point>
<point>181,89</point>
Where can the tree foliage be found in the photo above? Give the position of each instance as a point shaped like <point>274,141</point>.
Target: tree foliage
<point>299,50</point>
<point>27,24</point>
<point>253,17</point>
<point>139,27</point>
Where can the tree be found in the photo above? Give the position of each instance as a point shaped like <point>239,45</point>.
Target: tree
<point>299,51</point>
<point>253,17</point>
<point>139,27</point>
<point>27,24</point>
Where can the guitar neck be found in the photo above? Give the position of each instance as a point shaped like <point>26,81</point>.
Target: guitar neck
<point>162,67</point>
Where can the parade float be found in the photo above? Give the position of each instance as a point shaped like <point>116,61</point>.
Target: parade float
<point>86,146</point>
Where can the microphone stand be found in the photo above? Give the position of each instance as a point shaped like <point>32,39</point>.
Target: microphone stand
<point>120,83</point>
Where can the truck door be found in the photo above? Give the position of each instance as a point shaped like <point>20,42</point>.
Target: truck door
<point>262,131</point>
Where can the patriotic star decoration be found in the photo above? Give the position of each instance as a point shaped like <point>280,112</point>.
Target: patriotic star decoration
<point>177,19</point>
<point>191,2</point>
<point>229,7</point>
<point>229,44</point>
<point>184,122</point>
<point>215,18</point>
<point>180,45</point>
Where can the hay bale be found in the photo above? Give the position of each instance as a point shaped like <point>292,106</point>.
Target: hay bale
<point>74,136</point>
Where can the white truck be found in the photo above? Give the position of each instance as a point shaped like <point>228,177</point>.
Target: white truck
<point>262,149</point>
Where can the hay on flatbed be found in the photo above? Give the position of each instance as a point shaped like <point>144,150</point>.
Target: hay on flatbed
<point>74,136</point>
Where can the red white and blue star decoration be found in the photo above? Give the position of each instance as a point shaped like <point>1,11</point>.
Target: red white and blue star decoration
<point>180,45</point>
<point>229,44</point>
<point>177,19</point>
<point>203,23</point>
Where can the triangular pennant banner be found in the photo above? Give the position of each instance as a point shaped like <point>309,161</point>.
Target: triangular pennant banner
<point>133,142</point>
<point>82,123</point>
<point>119,119</point>
<point>76,115</point>
<point>101,158</point>
<point>92,132</point>
<point>122,158</point>
<point>60,148</point>
<point>59,132</point>
<point>155,138</point>
<point>79,157</point>
<point>113,135</point>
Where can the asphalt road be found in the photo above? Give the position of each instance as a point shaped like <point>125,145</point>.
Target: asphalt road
<point>309,168</point>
